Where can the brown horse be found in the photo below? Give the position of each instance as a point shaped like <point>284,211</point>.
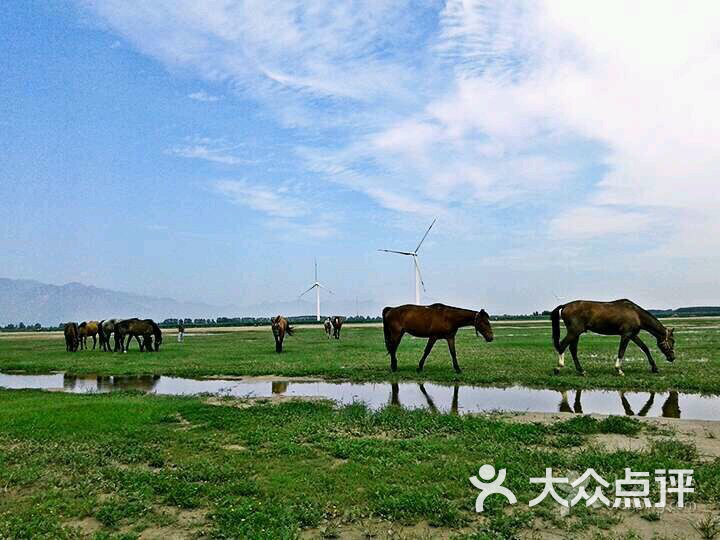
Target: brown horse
<point>619,318</point>
<point>337,322</point>
<point>145,328</point>
<point>71,337</point>
<point>105,328</point>
<point>328,328</point>
<point>434,322</point>
<point>88,329</point>
<point>280,327</point>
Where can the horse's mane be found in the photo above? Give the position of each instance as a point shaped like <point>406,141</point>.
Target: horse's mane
<point>641,310</point>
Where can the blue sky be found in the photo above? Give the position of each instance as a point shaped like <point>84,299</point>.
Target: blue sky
<point>210,153</point>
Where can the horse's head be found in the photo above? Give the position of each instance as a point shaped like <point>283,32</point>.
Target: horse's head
<point>482,325</point>
<point>666,344</point>
<point>275,324</point>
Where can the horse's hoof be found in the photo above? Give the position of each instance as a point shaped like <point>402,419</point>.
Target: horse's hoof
<point>458,371</point>
<point>581,373</point>
<point>620,373</point>
<point>656,370</point>
<point>556,371</point>
<point>419,370</point>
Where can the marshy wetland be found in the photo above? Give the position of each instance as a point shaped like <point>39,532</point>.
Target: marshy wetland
<point>217,437</point>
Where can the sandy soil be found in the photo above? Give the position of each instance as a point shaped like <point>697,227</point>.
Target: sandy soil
<point>704,434</point>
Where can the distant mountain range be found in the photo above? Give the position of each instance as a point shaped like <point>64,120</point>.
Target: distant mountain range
<point>31,302</point>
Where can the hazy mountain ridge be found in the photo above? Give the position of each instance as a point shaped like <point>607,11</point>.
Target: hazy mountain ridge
<point>30,302</point>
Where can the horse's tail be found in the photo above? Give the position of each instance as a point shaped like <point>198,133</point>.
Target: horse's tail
<point>386,329</point>
<point>555,319</point>
<point>289,330</point>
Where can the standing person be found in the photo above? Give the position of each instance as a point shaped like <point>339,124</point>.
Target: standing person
<point>181,330</point>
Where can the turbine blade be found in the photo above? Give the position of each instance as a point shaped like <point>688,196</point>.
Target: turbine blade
<point>310,289</point>
<point>417,266</point>
<point>324,287</point>
<point>425,235</point>
<point>398,252</point>
<point>315,270</point>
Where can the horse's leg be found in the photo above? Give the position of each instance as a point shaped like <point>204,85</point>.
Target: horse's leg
<point>564,342</point>
<point>648,405</point>
<point>94,341</point>
<point>644,348</point>
<point>428,348</point>
<point>626,405</point>
<point>574,353</point>
<point>430,402</point>
<point>455,399</point>
<point>624,340</point>
<point>451,347</point>
<point>392,349</point>
<point>577,406</point>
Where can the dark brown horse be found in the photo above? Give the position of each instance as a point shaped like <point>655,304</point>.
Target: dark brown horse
<point>71,337</point>
<point>280,327</point>
<point>87,329</point>
<point>137,328</point>
<point>337,322</point>
<point>105,328</point>
<point>619,318</point>
<point>434,322</point>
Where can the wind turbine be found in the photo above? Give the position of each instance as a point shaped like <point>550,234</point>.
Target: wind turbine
<point>414,254</point>
<point>317,286</point>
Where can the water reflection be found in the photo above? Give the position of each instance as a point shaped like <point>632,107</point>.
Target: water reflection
<point>670,407</point>
<point>454,399</point>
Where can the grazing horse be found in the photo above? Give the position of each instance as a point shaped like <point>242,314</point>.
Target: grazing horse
<point>71,337</point>
<point>337,322</point>
<point>280,327</point>
<point>136,328</point>
<point>105,328</point>
<point>434,322</point>
<point>328,328</point>
<point>618,318</point>
<point>87,329</point>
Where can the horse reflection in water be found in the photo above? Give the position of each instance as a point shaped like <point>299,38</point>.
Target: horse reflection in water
<point>395,397</point>
<point>98,383</point>
<point>670,409</point>
<point>279,387</point>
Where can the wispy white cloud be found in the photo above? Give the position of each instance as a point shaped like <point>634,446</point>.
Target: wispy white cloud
<point>261,198</point>
<point>202,95</point>
<point>491,108</point>
<point>216,150</point>
<point>284,210</point>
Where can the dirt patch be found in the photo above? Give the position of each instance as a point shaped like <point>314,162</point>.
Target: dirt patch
<point>234,448</point>
<point>704,434</point>
<point>677,523</point>
<point>380,530</point>
<point>87,527</point>
<point>244,403</point>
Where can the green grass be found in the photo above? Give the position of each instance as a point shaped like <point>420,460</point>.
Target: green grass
<point>130,463</point>
<point>522,353</point>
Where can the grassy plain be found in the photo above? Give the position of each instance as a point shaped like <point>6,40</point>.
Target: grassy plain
<point>128,465</point>
<point>522,353</point>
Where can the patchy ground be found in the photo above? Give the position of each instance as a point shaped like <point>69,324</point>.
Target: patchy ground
<point>129,465</point>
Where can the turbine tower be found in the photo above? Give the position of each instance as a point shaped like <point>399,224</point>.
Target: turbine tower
<point>414,254</point>
<point>317,286</point>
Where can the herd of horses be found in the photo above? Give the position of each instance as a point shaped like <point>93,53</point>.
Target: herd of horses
<point>622,318</point>
<point>145,331</point>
